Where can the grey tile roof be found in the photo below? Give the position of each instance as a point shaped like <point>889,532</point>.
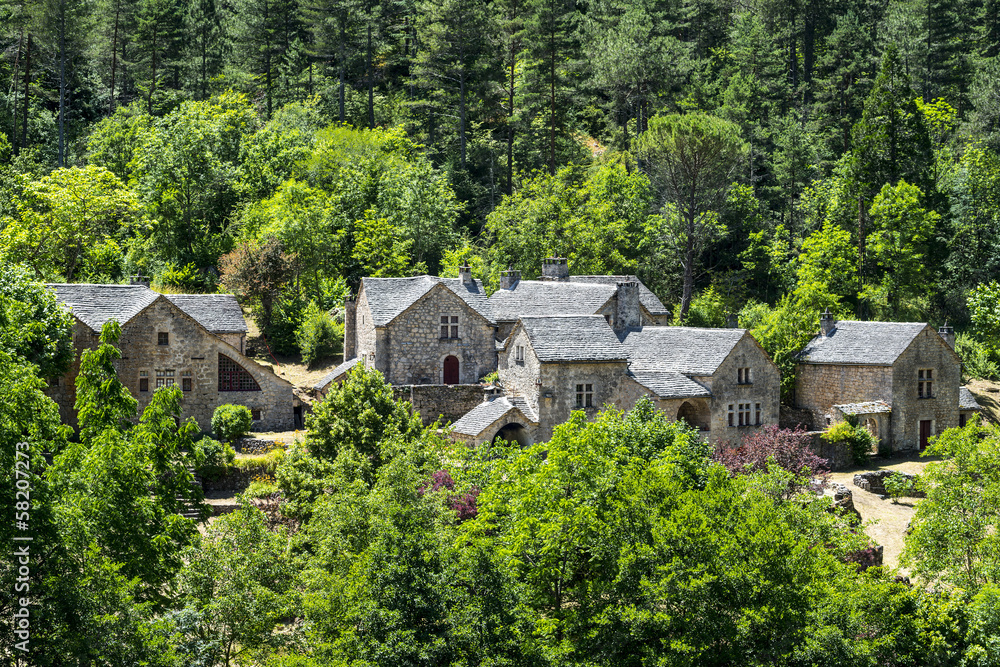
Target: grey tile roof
<point>96,304</point>
<point>648,300</point>
<point>335,373</point>
<point>966,401</point>
<point>666,384</point>
<point>866,408</point>
<point>869,343</point>
<point>218,313</point>
<point>481,417</point>
<point>687,350</point>
<point>573,338</point>
<point>537,298</point>
<point>388,297</point>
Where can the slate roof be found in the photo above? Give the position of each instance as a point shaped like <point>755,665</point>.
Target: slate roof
<point>866,408</point>
<point>648,300</point>
<point>388,297</point>
<point>868,343</point>
<point>94,305</point>
<point>966,401</point>
<point>686,350</point>
<point>573,338</point>
<point>218,313</point>
<point>667,384</point>
<point>481,417</point>
<point>335,373</point>
<point>538,298</point>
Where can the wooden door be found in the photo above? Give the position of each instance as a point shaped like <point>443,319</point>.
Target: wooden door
<point>451,370</point>
<point>925,432</point>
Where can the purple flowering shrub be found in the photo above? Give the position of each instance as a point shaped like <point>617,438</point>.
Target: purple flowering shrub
<point>463,504</point>
<point>789,449</point>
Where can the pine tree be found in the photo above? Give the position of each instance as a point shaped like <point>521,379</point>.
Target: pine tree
<point>204,45</point>
<point>334,24</point>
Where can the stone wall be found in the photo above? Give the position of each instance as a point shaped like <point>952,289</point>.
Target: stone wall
<point>364,330</point>
<point>558,390</point>
<point>927,351</point>
<point>818,387</point>
<point>764,388</point>
<point>417,352</point>
<point>837,454</point>
<point>447,401</point>
<point>518,377</point>
<point>190,349</point>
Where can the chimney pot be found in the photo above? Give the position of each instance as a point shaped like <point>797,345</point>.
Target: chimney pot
<point>948,333</point>
<point>509,278</point>
<point>555,268</point>
<point>465,273</point>
<point>826,322</point>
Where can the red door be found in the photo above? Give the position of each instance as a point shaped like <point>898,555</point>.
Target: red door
<point>451,370</point>
<point>925,432</point>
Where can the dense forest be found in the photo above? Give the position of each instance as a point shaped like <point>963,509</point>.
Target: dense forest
<point>762,159</point>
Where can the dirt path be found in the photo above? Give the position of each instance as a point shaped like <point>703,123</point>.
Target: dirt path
<point>884,522</point>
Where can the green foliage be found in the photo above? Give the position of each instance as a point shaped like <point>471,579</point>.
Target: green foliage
<point>257,272</point>
<point>978,360</point>
<point>984,306</point>
<point>209,453</point>
<point>320,336</point>
<point>954,536</point>
<point>32,325</point>
<point>360,414</point>
<point>231,422</point>
<point>859,441</point>
<point>898,486</point>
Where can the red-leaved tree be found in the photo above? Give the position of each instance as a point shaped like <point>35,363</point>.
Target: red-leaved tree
<point>788,448</point>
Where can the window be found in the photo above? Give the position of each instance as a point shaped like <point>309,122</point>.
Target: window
<point>233,377</point>
<point>743,375</point>
<point>519,354</point>
<point>185,380</point>
<point>255,414</point>
<point>584,395</point>
<point>756,414</point>
<point>732,415</point>
<point>925,381</point>
<point>743,414</point>
<point>143,381</point>
<point>165,378</point>
<point>449,326</point>
<point>163,338</point>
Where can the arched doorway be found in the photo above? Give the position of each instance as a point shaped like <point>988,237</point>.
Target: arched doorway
<point>694,415</point>
<point>513,432</point>
<point>451,369</point>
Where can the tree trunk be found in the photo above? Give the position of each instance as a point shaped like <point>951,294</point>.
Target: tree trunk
<point>267,57</point>
<point>62,83</point>
<point>510,102</point>
<point>688,288</point>
<point>114,59</point>
<point>371,80</point>
<point>27,84</point>
<point>343,56</point>
<point>204,61</point>
<point>552,100</point>
<point>14,84</point>
<point>152,84</point>
<point>461,116</point>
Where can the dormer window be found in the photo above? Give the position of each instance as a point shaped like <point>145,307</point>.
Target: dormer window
<point>925,383</point>
<point>449,326</point>
<point>743,376</point>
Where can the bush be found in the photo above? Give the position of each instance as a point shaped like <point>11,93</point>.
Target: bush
<point>976,357</point>
<point>783,447</point>
<point>211,453</point>
<point>231,422</point>
<point>856,438</point>
<point>320,335</point>
<point>261,488</point>
<point>286,318</point>
<point>897,486</point>
<point>188,278</point>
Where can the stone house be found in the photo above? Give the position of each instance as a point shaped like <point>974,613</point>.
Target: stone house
<point>719,380</point>
<point>901,380</point>
<point>558,293</point>
<point>191,341</point>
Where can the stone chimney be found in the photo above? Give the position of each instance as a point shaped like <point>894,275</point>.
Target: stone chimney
<point>826,323</point>
<point>948,333</point>
<point>465,273</point>
<point>555,268</point>
<point>509,278</point>
<point>350,328</point>
<point>627,313</point>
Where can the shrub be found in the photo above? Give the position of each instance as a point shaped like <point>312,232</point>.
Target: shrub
<point>856,438</point>
<point>783,447</point>
<point>261,488</point>
<point>977,361</point>
<point>320,335</point>
<point>897,486</point>
<point>231,422</point>
<point>187,277</point>
<point>286,318</point>
<point>211,453</point>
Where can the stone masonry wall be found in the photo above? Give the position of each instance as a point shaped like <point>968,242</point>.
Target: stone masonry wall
<point>364,328</point>
<point>610,383</point>
<point>417,352</point>
<point>518,378</point>
<point>927,351</point>
<point>820,386</point>
<point>764,388</point>
<point>447,401</point>
<point>190,350</point>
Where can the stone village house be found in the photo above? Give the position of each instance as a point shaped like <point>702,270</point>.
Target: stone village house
<point>192,341</point>
<point>901,380</point>
<point>560,343</point>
